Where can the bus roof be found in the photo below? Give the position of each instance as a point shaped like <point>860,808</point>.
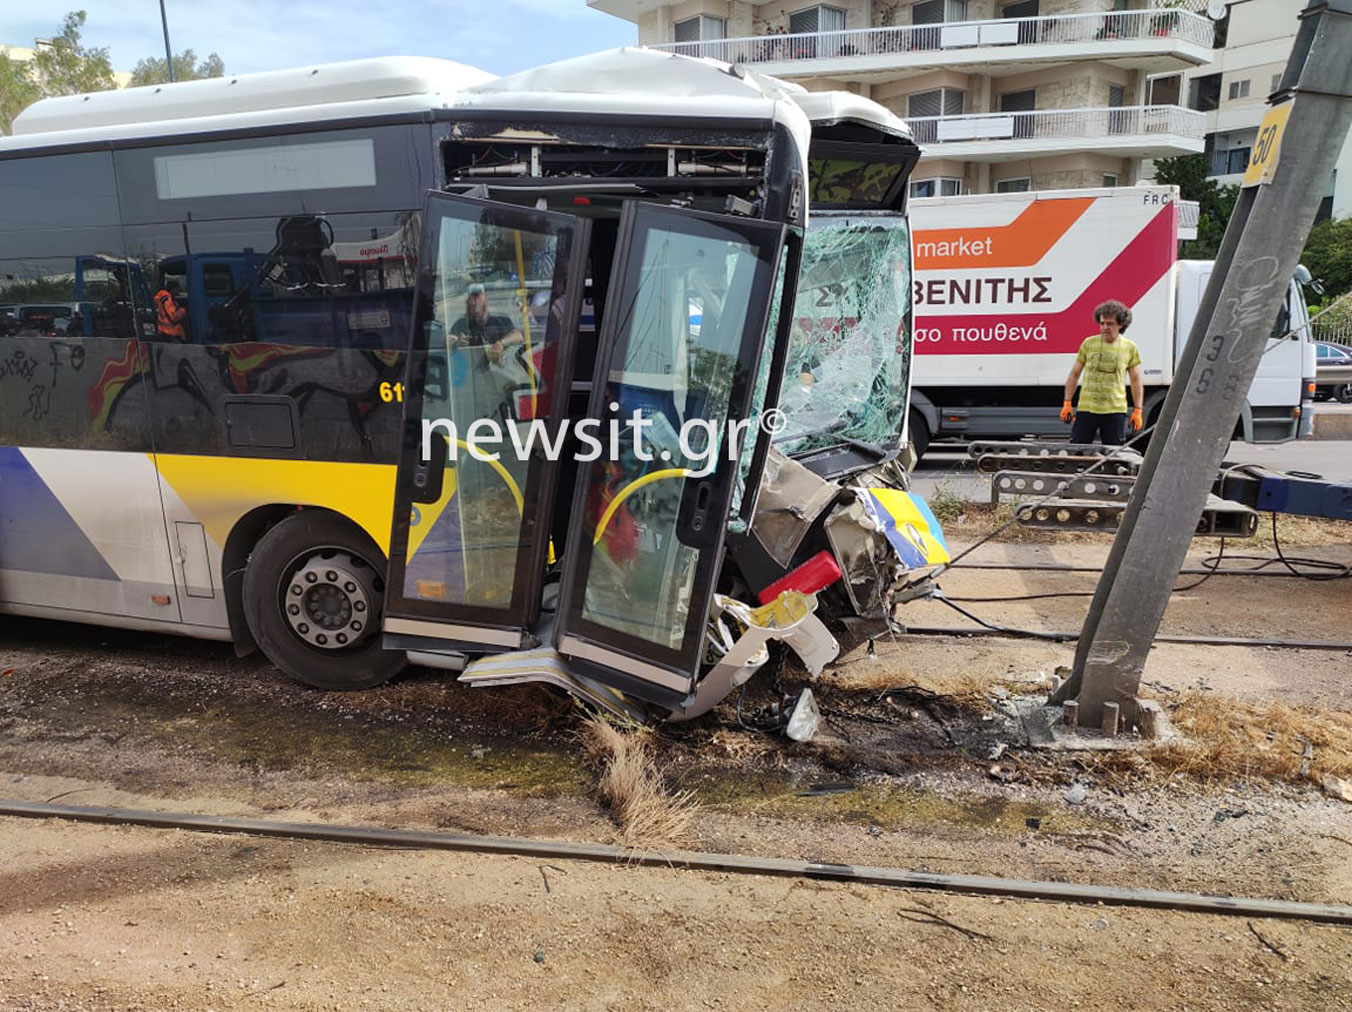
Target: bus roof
<point>628,81</point>
<point>329,84</point>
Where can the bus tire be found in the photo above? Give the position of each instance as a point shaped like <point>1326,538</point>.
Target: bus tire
<point>314,590</point>
<point>918,430</point>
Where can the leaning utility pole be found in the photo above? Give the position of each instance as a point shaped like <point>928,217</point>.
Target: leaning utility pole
<point>1291,162</point>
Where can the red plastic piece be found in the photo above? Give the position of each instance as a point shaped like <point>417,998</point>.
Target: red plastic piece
<point>817,572</point>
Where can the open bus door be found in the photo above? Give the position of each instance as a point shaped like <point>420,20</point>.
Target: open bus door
<point>472,564</point>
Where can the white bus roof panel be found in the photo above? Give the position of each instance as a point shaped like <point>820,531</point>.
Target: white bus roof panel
<point>837,106</point>
<point>629,81</point>
<point>327,84</point>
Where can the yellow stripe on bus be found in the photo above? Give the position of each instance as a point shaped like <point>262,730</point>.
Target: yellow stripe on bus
<point>220,490</point>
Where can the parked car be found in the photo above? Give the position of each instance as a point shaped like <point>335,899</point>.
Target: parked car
<point>1328,355</point>
<point>52,317</point>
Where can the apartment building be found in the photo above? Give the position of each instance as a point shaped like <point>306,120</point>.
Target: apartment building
<point>1002,96</point>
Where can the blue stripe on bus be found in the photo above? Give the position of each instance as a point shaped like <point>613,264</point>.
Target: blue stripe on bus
<point>37,535</point>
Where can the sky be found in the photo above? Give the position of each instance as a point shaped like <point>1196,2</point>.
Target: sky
<point>501,36</point>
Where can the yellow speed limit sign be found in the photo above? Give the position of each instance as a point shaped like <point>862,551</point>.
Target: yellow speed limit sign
<point>1268,146</point>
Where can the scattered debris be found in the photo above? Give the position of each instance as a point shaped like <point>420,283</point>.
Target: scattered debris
<point>1033,822</point>
<point>1002,773</point>
<point>1337,787</point>
<point>1077,793</point>
<point>539,955</point>
<point>544,868</point>
<point>1230,813</point>
<point>926,916</point>
<point>816,790</point>
<point>1268,945</point>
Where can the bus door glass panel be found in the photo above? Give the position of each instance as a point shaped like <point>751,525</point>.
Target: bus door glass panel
<point>681,340</point>
<point>489,378</point>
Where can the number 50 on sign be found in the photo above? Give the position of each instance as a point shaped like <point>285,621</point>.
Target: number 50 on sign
<point>1268,146</point>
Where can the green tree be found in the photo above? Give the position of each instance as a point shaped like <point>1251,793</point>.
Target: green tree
<point>152,70</point>
<point>17,90</point>
<point>60,66</point>
<point>1328,255</point>
<point>1215,203</point>
<point>64,67</point>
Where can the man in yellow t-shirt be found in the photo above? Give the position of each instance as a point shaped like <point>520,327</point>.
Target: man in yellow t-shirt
<point>1106,360</point>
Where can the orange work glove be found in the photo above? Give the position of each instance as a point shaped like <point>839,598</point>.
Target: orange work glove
<point>1135,420</point>
<point>1067,412</point>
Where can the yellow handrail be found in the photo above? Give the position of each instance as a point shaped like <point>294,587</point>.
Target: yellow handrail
<point>630,489</point>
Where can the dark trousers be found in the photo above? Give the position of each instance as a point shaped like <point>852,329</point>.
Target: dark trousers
<point>1111,430</point>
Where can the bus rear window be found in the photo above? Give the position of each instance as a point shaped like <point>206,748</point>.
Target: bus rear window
<point>852,183</point>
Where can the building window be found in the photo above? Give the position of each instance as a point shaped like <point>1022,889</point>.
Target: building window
<point>938,187</point>
<point>1110,179</point>
<point>701,29</point>
<point>820,18</point>
<point>1239,89</point>
<point>1276,80</point>
<point>1164,90</point>
<point>939,102</point>
<point>1020,185</point>
<point>1229,163</point>
<point>1204,93</point>
<point>937,12</point>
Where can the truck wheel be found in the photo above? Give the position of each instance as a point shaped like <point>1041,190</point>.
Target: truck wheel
<point>314,588</point>
<point>919,432</point>
<point>1343,394</point>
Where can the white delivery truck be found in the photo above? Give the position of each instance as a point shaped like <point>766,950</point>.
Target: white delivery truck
<point>1004,290</point>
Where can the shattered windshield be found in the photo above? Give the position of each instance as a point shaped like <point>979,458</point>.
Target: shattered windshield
<point>850,348</point>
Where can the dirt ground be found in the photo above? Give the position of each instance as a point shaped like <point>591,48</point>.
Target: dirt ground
<point>119,918</point>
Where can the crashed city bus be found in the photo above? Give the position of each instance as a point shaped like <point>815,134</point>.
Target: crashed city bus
<point>394,299</point>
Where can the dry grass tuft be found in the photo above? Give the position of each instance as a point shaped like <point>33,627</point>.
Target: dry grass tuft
<point>959,687</point>
<point>887,670</point>
<point>1232,739</point>
<point>1299,532</point>
<point>631,785</point>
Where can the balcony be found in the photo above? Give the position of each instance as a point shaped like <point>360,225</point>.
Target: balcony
<point>1153,131</point>
<point>1153,41</point>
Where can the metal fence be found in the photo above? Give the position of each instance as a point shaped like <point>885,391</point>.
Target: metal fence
<point>1335,331</point>
<point>1104,27</point>
<point>1060,123</point>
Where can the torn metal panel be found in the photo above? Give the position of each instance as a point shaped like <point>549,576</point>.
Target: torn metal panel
<point>791,618</point>
<point>884,534</point>
<point>547,666</point>
<point>791,499</point>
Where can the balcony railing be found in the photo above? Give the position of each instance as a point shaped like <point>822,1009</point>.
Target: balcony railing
<point>1060,123</point>
<point>1103,27</point>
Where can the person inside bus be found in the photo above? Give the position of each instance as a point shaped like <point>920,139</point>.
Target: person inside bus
<point>1106,360</point>
<point>170,316</point>
<point>480,328</point>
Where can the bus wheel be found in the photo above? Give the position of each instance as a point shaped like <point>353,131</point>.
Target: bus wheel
<point>313,592</point>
